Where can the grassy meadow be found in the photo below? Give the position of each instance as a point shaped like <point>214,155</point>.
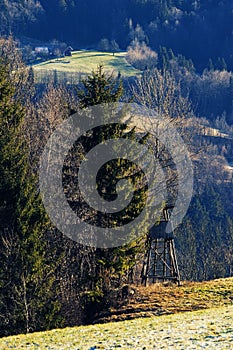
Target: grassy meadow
<point>176,326</point>
<point>83,63</point>
<point>205,329</point>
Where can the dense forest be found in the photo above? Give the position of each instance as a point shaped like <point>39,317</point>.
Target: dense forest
<point>183,50</point>
<point>199,30</point>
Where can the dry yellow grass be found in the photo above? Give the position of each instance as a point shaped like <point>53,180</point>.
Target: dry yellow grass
<point>160,299</point>
<point>173,330</point>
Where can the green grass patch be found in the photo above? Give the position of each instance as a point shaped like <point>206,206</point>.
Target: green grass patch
<point>210,329</point>
<point>83,63</point>
<point>160,316</point>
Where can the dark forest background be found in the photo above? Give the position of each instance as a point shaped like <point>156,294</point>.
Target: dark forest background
<point>200,29</point>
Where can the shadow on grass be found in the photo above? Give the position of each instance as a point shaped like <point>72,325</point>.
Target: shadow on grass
<point>90,56</point>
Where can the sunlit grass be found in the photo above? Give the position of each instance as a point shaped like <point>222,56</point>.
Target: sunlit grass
<point>171,329</point>
<point>159,299</point>
<point>84,62</point>
<point>208,329</point>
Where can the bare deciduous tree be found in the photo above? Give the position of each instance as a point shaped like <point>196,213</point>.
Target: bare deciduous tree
<point>141,56</point>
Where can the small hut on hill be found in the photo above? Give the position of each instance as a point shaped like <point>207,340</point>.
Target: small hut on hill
<point>68,51</point>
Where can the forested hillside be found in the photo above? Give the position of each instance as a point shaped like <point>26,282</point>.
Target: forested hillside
<point>200,30</point>
<point>177,62</point>
<point>48,280</point>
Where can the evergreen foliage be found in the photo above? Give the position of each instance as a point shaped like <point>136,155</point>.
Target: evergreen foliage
<point>99,88</point>
<point>198,30</point>
<point>49,281</point>
<point>27,299</point>
<point>111,265</point>
<point>205,238</point>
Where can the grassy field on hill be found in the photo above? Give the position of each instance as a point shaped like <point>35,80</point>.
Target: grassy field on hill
<point>209,328</point>
<point>84,62</point>
<point>165,299</point>
<point>206,329</point>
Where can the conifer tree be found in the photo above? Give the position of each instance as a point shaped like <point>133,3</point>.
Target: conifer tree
<point>27,299</point>
<point>99,88</point>
<point>111,265</point>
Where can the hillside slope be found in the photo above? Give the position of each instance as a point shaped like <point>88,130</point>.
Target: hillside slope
<point>84,62</point>
<point>197,29</point>
<point>211,328</point>
<point>161,299</point>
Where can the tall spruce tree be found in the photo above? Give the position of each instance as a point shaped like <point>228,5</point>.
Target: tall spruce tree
<point>111,266</point>
<point>27,299</point>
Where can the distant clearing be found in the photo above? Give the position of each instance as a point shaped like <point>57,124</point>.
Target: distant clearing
<point>84,62</point>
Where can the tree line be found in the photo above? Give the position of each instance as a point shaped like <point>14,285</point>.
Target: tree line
<point>48,280</point>
<point>199,30</point>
